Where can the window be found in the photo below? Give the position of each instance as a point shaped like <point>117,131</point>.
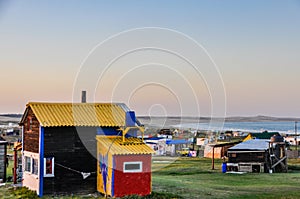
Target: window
<point>27,164</point>
<point>31,165</point>
<point>35,166</point>
<point>131,167</point>
<point>49,167</point>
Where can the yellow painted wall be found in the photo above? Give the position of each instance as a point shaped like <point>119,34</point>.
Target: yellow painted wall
<point>100,181</point>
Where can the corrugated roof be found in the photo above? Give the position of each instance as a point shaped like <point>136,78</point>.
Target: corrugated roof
<point>115,146</point>
<point>252,145</point>
<point>78,114</point>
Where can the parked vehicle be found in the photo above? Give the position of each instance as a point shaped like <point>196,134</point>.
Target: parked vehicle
<point>183,152</point>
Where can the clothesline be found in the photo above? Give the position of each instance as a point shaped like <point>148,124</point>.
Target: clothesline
<point>84,174</point>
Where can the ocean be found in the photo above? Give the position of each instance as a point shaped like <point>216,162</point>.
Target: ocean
<point>281,127</point>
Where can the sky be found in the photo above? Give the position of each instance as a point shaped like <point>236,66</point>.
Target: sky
<point>191,58</point>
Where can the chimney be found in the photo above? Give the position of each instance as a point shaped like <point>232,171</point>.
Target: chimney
<point>83,97</point>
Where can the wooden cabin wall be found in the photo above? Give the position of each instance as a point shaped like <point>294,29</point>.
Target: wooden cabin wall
<point>31,134</point>
<point>3,163</point>
<point>65,145</point>
<point>246,157</point>
<point>132,183</point>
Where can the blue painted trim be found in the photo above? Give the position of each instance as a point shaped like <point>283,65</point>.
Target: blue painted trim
<point>130,118</point>
<point>41,178</point>
<point>107,131</point>
<point>114,132</point>
<point>113,178</point>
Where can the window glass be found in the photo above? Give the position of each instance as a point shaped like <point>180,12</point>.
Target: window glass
<point>27,163</point>
<point>49,167</point>
<point>35,166</point>
<point>132,167</point>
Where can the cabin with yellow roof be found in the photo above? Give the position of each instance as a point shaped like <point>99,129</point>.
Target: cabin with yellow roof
<point>124,168</point>
<point>59,153</point>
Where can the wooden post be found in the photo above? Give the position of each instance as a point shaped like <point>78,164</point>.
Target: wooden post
<point>213,159</point>
<point>15,166</point>
<point>296,139</point>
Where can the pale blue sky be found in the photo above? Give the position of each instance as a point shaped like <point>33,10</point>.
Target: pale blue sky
<point>255,44</point>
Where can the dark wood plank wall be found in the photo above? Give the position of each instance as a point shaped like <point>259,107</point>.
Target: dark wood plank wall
<point>31,136</point>
<point>247,157</point>
<point>67,148</point>
<point>3,163</point>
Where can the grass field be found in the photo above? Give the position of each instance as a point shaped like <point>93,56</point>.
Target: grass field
<point>193,178</point>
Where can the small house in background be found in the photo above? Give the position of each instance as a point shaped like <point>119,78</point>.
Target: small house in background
<point>293,140</point>
<point>168,147</point>
<point>218,150</point>
<point>201,142</point>
<point>258,155</point>
<point>174,147</point>
<point>3,160</point>
<point>248,156</point>
<point>157,144</point>
<point>263,135</point>
<point>124,168</point>
<point>59,144</point>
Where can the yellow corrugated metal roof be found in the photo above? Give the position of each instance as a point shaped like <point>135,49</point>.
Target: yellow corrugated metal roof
<point>79,114</point>
<point>116,146</point>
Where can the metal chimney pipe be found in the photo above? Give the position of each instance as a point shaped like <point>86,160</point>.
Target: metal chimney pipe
<point>83,97</point>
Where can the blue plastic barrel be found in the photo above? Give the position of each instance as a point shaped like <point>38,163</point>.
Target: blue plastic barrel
<point>224,167</point>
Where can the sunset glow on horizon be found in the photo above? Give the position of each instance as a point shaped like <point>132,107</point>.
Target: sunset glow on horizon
<point>47,46</point>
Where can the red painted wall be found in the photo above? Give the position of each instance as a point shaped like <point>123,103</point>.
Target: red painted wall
<point>132,183</point>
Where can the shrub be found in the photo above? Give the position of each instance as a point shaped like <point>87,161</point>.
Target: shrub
<point>24,193</point>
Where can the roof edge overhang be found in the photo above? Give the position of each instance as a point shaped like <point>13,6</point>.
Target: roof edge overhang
<point>247,151</point>
<point>96,126</point>
<point>21,123</point>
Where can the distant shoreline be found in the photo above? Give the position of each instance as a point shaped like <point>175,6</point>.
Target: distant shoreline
<point>231,118</point>
<point>226,119</point>
<point>170,120</point>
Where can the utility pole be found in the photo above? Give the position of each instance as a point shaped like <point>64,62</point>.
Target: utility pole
<point>296,138</point>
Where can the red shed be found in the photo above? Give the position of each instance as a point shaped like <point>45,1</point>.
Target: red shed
<point>124,168</point>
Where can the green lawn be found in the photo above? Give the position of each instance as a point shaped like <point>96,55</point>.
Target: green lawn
<point>193,178</point>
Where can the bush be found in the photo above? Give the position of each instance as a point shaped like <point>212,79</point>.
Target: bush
<point>24,193</point>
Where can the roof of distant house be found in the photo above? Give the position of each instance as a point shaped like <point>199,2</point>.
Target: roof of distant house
<point>178,142</point>
<point>263,135</point>
<point>251,145</point>
<point>78,114</point>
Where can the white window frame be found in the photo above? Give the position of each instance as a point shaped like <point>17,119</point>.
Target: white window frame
<point>133,170</point>
<point>30,166</point>
<point>31,170</point>
<point>52,172</point>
